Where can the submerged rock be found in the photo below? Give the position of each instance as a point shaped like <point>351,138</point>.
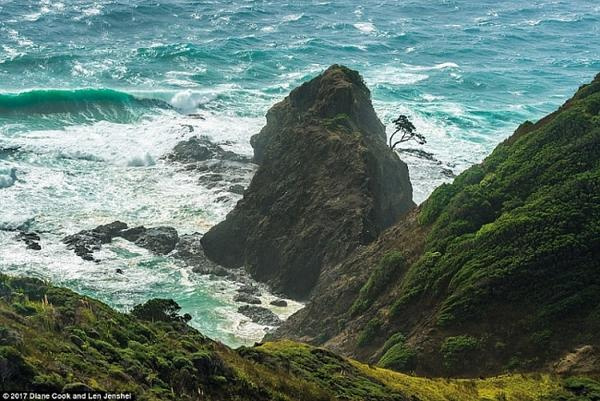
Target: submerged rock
<point>8,177</point>
<point>237,189</point>
<point>30,239</point>
<point>260,315</point>
<point>327,183</point>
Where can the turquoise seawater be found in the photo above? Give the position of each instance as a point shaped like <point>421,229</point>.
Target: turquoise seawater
<point>93,93</point>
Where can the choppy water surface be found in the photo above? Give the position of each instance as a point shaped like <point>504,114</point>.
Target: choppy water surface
<point>93,93</point>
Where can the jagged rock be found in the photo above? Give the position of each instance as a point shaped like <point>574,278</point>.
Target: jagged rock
<point>237,189</point>
<point>30,239</point>
<point>133,234</point>
<point>326,184</point>
<point>249,289</point>
<point>201,148</point>
<point>247,298</point>
<point>161,240</point>
<point>85,242</point>
<point>210,180</point>
<point>279,302</point>
<point>189,250</point>
<point>260,315</point>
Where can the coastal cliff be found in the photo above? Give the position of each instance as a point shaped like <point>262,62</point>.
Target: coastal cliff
<point>327,183</point>
<point>54,340</point>
<point>497,271</point>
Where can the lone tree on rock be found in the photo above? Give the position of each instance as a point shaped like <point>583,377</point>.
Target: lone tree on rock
<point>408,131</point>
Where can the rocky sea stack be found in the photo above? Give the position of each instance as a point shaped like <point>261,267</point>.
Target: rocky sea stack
<point>326,184</point>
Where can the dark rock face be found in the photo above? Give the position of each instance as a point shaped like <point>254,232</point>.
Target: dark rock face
<point>197,149</point>
<point>30,239</point>
<point>85,242</point>
<point>189,249</point>
<point>279,302</point>
<point>249,289</point>
<point>247,298</point>
<point>161,240</point>
<point>260,315</point>
<point>327,183</point>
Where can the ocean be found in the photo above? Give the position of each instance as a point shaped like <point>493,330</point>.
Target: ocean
<point>94,93</point>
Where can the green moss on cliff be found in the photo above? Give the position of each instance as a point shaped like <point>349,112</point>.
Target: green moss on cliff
<point>512,253</point>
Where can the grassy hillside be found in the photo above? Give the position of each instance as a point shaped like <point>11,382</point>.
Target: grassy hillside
<point>498,271</point>
<point>52,339</point>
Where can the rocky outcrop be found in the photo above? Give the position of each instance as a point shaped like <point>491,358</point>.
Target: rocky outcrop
<point>197,149</point>
<point>326,184</point>
<point>497,271</point>
<point>247,298</point>
<point>223,171</point>
<point>189,250</point>
<point>260,315</point>
<point>31,239</point>
<point>160,240</point>
<point>86,242</point>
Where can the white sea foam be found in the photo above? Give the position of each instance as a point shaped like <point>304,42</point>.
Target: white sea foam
<point>365,27</point>
<point>440,66</point>
<point>8,176</point>
<point>393,76</point>
<point>292,17</point>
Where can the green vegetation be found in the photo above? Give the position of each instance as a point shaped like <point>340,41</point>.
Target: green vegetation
<point>382,276</point>
<point>73,342</point>
<point>369,332</point>
<point>160,310</point>
<point>522,225</point>
<point>397,355</point>
<point>458,351</point>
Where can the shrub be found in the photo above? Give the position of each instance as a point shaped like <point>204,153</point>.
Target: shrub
<point>383,274</point>
<point>158,310</point>
<point>369,333</point>
<point>14,370</point>
<point>398,356</point>
<point>458,351</point>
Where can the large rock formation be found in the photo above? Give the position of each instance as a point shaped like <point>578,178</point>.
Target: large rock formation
<point>327,183</point>
<point>499,270</point>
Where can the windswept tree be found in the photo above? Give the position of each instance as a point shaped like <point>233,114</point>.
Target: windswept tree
<point>407,130</point>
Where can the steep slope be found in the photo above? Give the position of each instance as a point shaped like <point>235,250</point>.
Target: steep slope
<point>327,183</point>
<point>499,270</point>
<point>52,339</point>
